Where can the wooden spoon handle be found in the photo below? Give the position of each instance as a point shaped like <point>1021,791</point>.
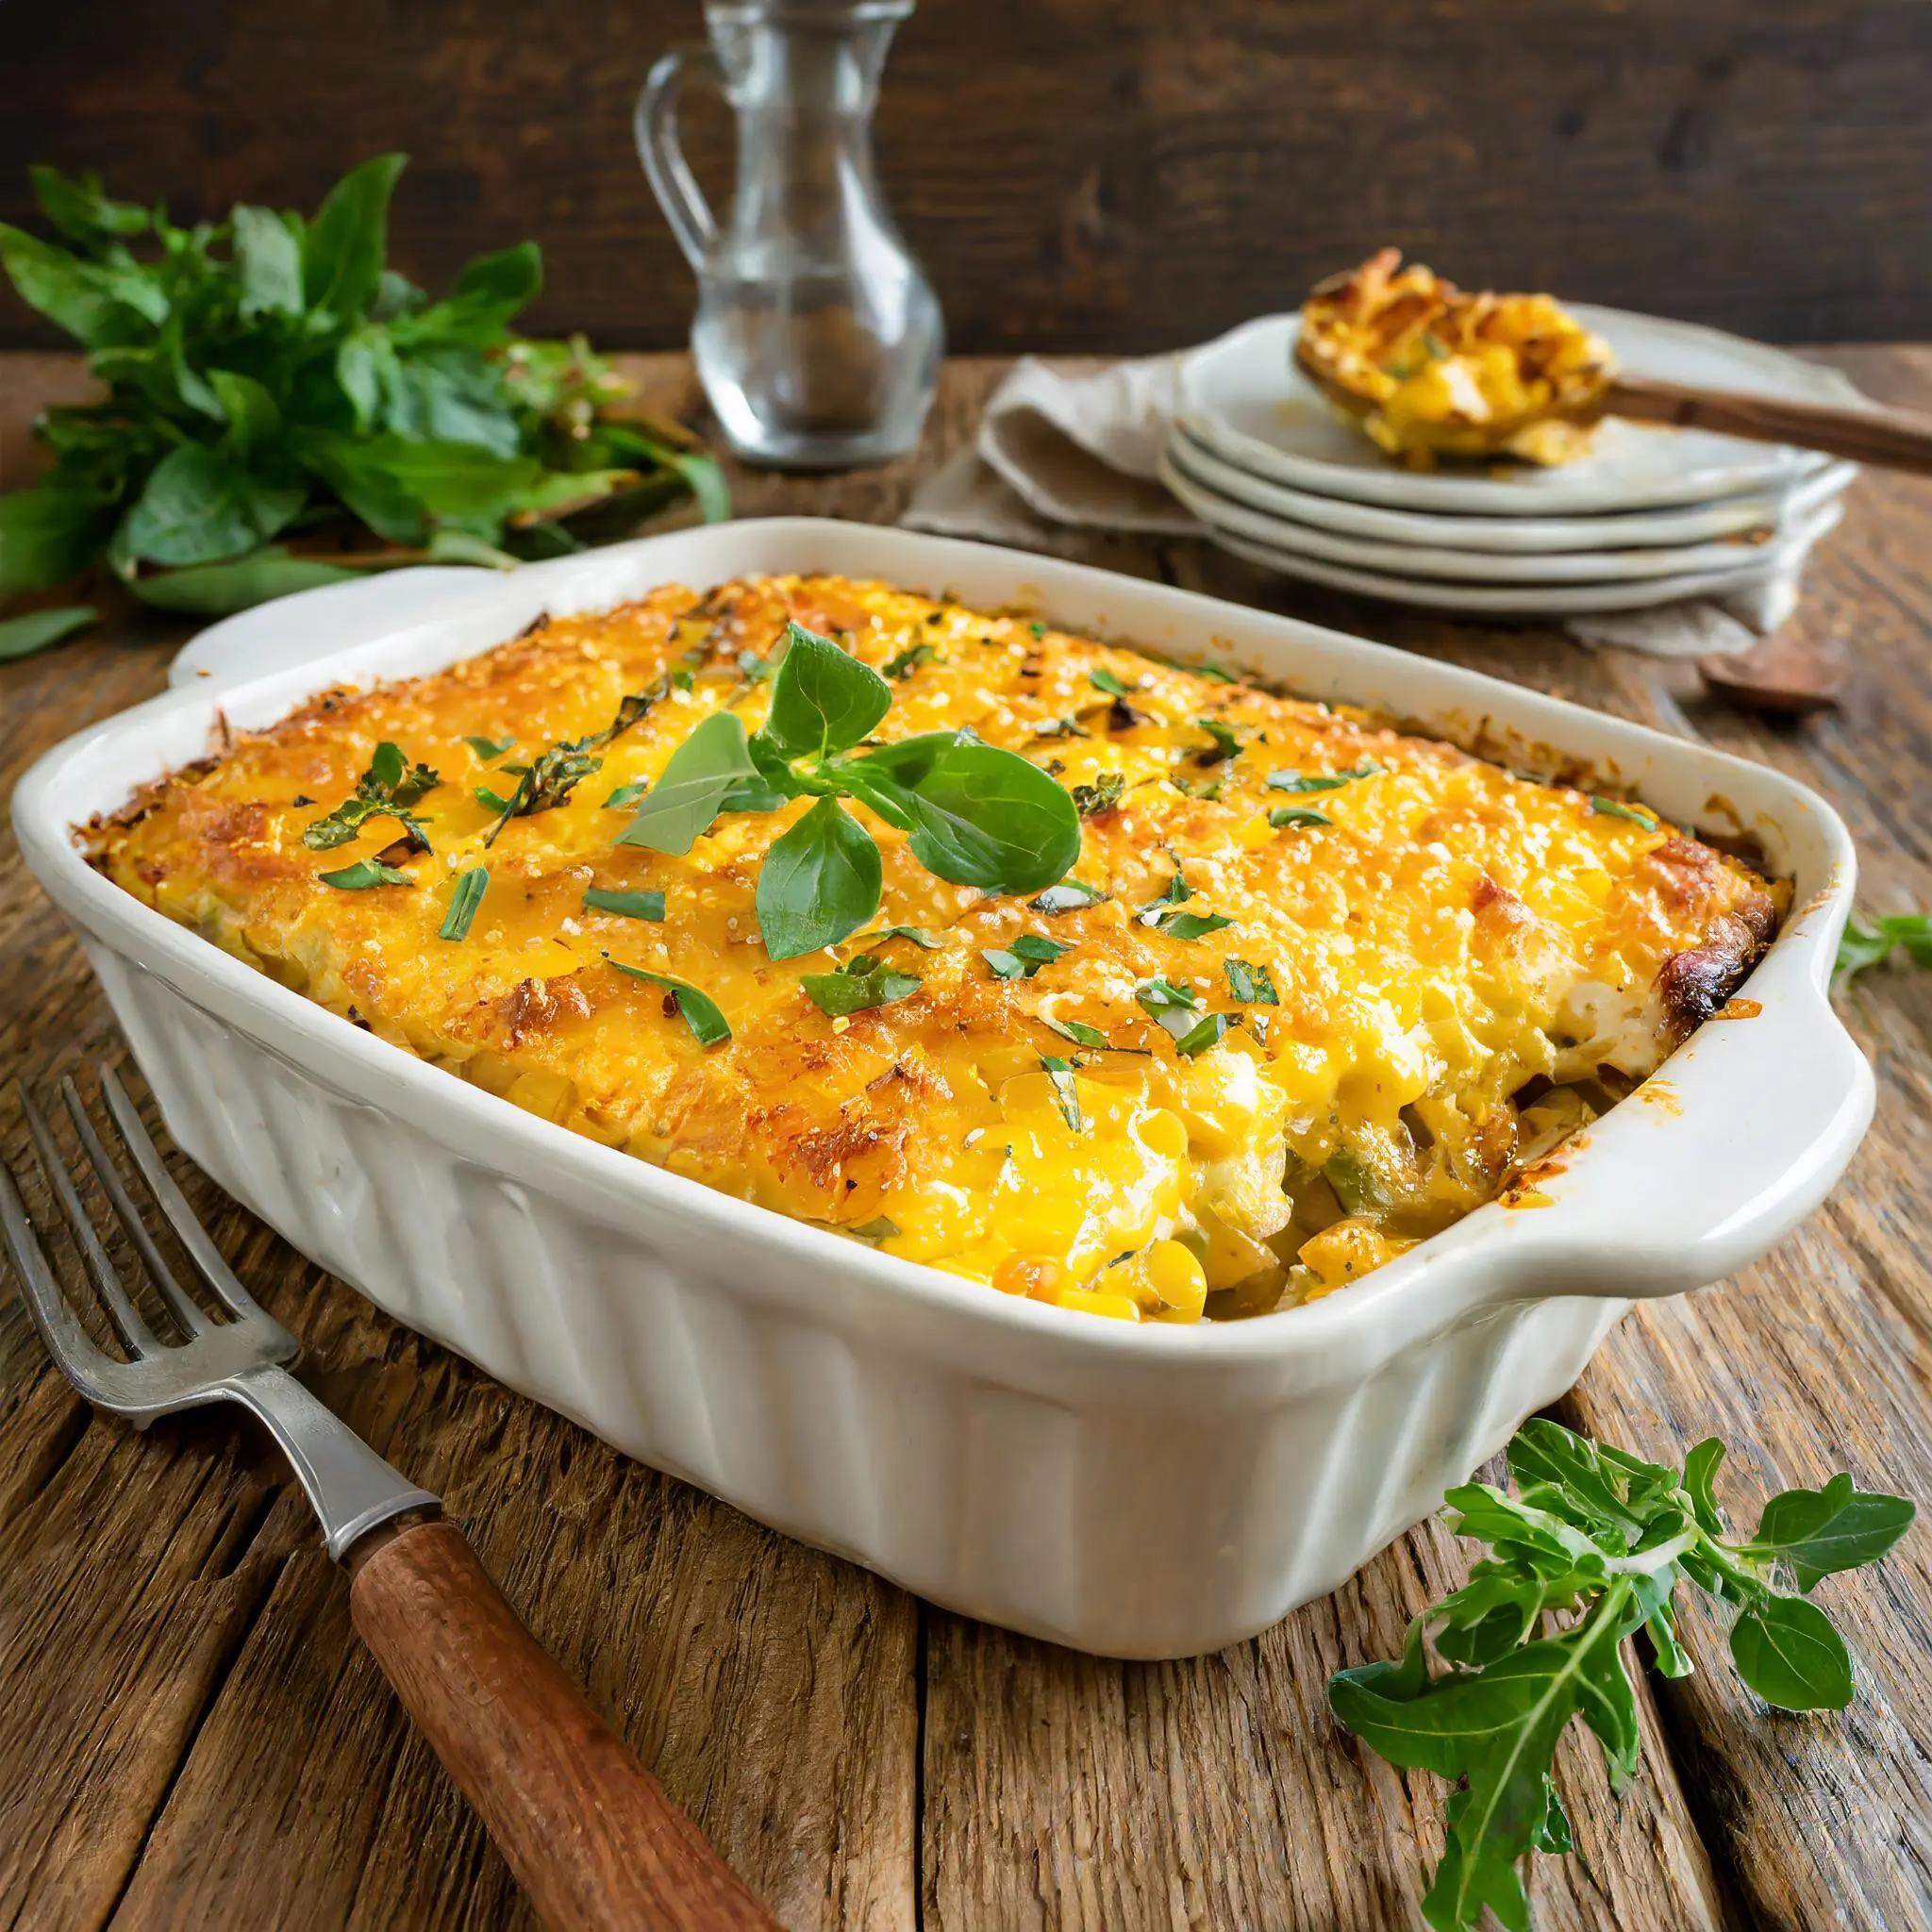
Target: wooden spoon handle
<point>1892,439</point>
<point>587,1830</point>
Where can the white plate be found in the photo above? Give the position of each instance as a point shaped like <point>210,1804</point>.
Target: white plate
<point>1224,517</point>
<point>1784,561</point>
<point>1244,398</point>
<point>1702,523</point>
<point>1141,1491</point>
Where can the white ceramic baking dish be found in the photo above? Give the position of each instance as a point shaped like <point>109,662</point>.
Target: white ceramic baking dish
<point>1143,1492</point>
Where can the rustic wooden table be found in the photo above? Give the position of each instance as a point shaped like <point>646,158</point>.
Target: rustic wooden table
<point>190,1735</point>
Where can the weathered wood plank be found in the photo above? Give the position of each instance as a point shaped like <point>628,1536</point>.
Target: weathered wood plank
<point>1114,174</point>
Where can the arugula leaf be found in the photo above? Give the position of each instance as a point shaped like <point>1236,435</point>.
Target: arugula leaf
<point>819,883</point>
<point>463,903</point>
<point>625,905</point>
<point>1253,985</point>
<point>859,985</point>
<point>1066,1094</point>
<point>21,637</point>
<point>364,873</point>
<point>691,792</point>
<point>698,1009</point>
<point>1605,1538</point>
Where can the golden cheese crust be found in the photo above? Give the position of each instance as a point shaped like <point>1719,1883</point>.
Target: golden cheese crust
<point>1433,968</point>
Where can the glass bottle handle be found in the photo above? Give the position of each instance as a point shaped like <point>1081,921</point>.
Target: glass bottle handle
<point>655,127</point>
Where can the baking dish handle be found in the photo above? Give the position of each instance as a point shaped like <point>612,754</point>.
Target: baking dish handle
<point>1777,1097</point>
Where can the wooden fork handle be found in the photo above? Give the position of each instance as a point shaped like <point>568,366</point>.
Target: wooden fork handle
<point>1891,439</point>
<point>587,1830</point>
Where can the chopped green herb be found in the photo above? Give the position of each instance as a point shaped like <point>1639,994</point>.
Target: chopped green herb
<point>1192,925</point>
<point>1104,681</point>
<point>1614,808</point>
<point>626,795</point>
<point>753,669</point>
<point>1105,793</point>
<point>1078,1032</point>
<point>1060,727</point>
<point>1005,965</point>
<point>699,1010</point>
<point>364,873</point>
<point>879,1230</point>
<point>1254,986</point>
<point>908,660</point>
<point>924,940</point>
<point>1297,815</point>
<point>1605,1539</point>
<point>1864,945</point>
<point>1040,949</point>
<point>1027,955</point>
<point>1189,789</point>
<point>463,903</point>
<point>1317,781</point>
<point>556,772</point>
<point>1205,1033</point>
<point>626,904</point>
<point>487,748</point>
<point>1212,673</point>
<point>1038,628</point>
<point>1068,896</point>
<point>1227,742</point>
<point>857,986</point>
<point>489,800</point>
<point>390,787</point>
<point>1176,893</point>
<point>1065,1092</point>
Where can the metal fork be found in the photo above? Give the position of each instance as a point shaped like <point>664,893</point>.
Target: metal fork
<point>587,1830</point>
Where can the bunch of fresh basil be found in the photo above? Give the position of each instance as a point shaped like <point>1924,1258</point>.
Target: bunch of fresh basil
<point>275,392</point>
<point>975,814</point>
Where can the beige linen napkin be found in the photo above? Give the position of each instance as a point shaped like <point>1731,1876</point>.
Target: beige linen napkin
<point>1075,445</point>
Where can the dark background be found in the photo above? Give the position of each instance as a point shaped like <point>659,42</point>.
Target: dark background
<point>1103,175</point>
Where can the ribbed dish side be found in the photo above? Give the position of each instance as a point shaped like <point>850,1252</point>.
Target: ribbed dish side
<point>1098,1524</point>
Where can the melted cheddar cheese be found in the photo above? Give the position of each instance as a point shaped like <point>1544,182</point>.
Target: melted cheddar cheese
<point>1429,369</point>
<point>1433,967</point>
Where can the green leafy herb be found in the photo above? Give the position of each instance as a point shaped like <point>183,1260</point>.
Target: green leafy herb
<point>1178,1010</point>
<point>35,630</point>
<point>1105,791</point>
<point>626,795</point>
<point>1065,1092</point>
<point>488,749</point>
<point>463,903</point>
<point>1178,893</point>
<point>1227,742</point>
<point>1614,809</point>
<point>1212,673</point>
<point>698,1009</point>
<point>1027,955</point>
<point>1254,986</point>
<point>1283,815</point>
<point>862,983</point>
<point>1104,681</point>
<point>268,375</point>
<point>975,814</point>
<point>390,787</point>
<point>557,771</point>
<point>1079,1033</point>
<point>924,940</point>
<point>1194,926</point>
<point>1068,896</point>
<point>364,873</point>
<point>1038,628</point>
<point>1604,1539</point>
<point>1868,944</point>
<point>879,1230</point>
<point>1060,727</point>
<point>910,660</point>
<point>753,669</point>
<point>1319,781</point>
<point>1206,1032</point>
<point>626,904</point>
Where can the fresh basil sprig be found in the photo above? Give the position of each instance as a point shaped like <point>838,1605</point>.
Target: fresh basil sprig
<point>858,986</point>
<point>1865,944</point>
<point>392,788</point>
<point>975,814</point>
<point>1604,1539</point>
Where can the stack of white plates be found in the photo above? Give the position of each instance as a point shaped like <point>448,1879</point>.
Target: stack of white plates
<point>1651,515</point>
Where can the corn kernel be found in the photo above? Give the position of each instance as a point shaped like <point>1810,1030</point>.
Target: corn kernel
<point>1087,1302</point>
<point>1038,1276</point>
<point>1176,1274</point>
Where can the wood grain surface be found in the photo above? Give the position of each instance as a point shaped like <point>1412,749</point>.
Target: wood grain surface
<point>1077,175</point>
<point>191,1736</point>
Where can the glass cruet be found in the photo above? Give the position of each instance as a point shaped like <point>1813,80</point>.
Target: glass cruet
<point>817,337</point>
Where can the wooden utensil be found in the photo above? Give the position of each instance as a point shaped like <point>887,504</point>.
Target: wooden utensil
<point>1890,439</point>
<point>587,1830</point>
<point>1783,673</point>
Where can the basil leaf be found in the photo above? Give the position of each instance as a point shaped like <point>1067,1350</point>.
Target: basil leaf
<point>1610,808</point>
<point>1005,965</point>
<point>879,1230</point>
<point>1206,1032</point>
<point>824,700</point>
<point>1068,896</point>
<point>101,306</point>
<point>858,986</point>
<point>364,873</point>
<point>1104,793</point>
<point>35,630</point>
<point>46,535</point>
<point>343,249</point>
<point>626,795</point>
<point>1079,1033</point>
<point>924,940</point>
<point>1039,949</point>
<point>819,883</point>
<point>1822,1531</point>
<point>1700,1466</point>
<point>981,816</point>
<point>491,801</point>
<point>1787,1651</point>
<point>221,589</point>
<point>1227,742</point>
<point>686,798</point>
<point>1254,986</point>
<point>1176,892</point>
<point>1296,815</point>
<point>1212,673</point>
<point>699,1010</point>
<point>1066,1093</point>
<point>1194,926</point>
<point>489,748</point>
<point>1104,681</point>
<point>1860,946</point>
<point>268,260</point>
<point>76,207</point>
<point>1158,996</point>
<point>1332,781</point>
<point>463,903</point>
<point>626,904</point>
<point>908,660</point>
<point>197,507</point>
